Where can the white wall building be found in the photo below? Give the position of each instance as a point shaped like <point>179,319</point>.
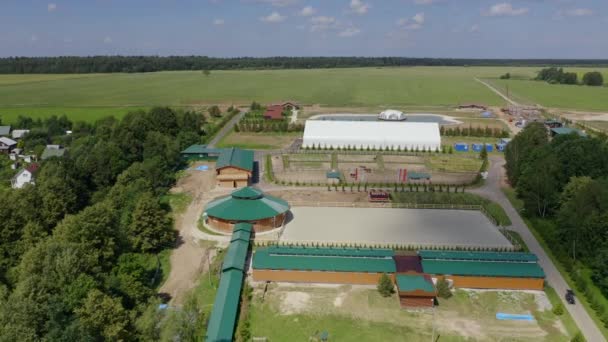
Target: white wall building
<point>373,134</point>
<point>25,176</point>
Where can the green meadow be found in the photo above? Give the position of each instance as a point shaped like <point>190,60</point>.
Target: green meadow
<point>91,96</point>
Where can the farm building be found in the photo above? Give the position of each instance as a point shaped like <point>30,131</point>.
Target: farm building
<point>566,130</point>
<point>372,134</point>
<point>322,265</point>
<point>223,319</point>
<point>7,145</point>
<point>25,176</point>
<point>274,112</point>
<point>234,168</point>
<point>52,151</point>
<point>248,205</point>
<point>485,270</point>
<point>415,290</point>
<point>200,152</point>
<point>288,105</point>
<point>391,115</point>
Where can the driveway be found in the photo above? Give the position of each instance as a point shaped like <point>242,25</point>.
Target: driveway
<point>226,129</point>
<point>492,191</point>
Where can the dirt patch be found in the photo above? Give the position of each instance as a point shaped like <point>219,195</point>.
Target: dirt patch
<point>320,196</point>
<point>295,302</point>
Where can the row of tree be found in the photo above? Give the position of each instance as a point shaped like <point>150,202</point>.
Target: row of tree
<point>564,181</point>
<point>556,75</point>
<point>107,64</point>
<point>79,249</point>
<point>471,131</point>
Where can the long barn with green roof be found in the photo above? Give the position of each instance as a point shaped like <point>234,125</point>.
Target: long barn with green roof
<point>248,205</point>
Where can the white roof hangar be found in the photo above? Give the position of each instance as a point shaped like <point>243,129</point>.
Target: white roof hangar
<point>372,134</point>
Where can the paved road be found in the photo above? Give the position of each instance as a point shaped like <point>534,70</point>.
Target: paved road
<point>226,129</point>
<point>497,92</point>
<point>492,191</point>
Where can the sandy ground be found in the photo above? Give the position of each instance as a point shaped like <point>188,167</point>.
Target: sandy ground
<point>419,227</point>
<point>190,257</point>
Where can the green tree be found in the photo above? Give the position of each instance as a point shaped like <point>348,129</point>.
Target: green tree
<point>593,78</point>
<point>385,285</point>
<point>151,228</point>
<point>206,72</point>
<point>443,288</point>
<point>537,186</point>
<point>518,151</point>
<point>104,317</point>
<point>215,111</point>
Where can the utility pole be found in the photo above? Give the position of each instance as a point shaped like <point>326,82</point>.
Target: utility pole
<point>433,336</point>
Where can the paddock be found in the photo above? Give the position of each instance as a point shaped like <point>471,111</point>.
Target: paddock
<point>420,228</point>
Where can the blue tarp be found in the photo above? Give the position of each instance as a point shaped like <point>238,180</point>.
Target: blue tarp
<point>477,147</point>
<point>513,317</point>
<point>461,147</point>
<point>487,115</point>
<point>202,168</point>
<point>489,147</point>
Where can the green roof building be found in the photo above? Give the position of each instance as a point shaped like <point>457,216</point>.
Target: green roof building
<point>249,205</point>
<point>566,130</point>
<point>237,158</point>
<point>200,152</point>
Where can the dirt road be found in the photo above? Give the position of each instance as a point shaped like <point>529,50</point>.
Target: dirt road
<point>190,258</point>
<point>226,129</point>
<point>492,191</point>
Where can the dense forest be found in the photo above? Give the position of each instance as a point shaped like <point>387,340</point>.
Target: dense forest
<point>106,64</point>
<point>555,75</point>
<point>563,183</point>
<point>79,249</point>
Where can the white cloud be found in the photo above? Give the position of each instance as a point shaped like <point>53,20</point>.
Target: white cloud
<point>414,23</point>
<point>218,22</point>
<point>349,32</point>
<point>577,12</point>
<point>474,28</point>
<point>51,7</point>
<point>279,3</point>
<point>274,17</point>
<point>359,7</point>
<point>505,9</point>
<point>67,40</point>
<point>107,40</point>
<point>322,23</point>
<point>307,11</point>
<point>423,2</point>
<point>34,38</point>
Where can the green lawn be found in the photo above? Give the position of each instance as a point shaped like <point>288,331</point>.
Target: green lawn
<point>259,141</point>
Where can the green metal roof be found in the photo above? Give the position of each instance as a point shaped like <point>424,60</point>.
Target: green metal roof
<point>333,174</point>
<point>241,235</point>
<point>235,208</point>
<point>483,268</point>
<point>262,259</point>
<point>248,227</point>
<point>418,175</point>
<point>201,149</point>
<point>222,321</point>
<point>344,252</point>
<point>242,159</point>
<point>480,256</point>
<point>411,282</point>
<point>567,130</point>
<point>247,193</point>
<point>236,256</point>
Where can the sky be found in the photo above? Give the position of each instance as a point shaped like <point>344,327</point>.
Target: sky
<point>260,28</point>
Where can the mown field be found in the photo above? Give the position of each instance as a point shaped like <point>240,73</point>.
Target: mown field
<point>91,96</point>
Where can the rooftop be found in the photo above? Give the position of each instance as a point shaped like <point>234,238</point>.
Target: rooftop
<point>408,263</point>
<point>567,130</point>
<point>414,282</point>
<point>480,256</point>
<point>5,130</point>
<point>235,157</point>
<point>8,141</point>
<point>246,204</point>
<point>483,268</point>
<point>263,258</point>
<point>201,149</point>
<point>52,151</point>
<point>222,321</point>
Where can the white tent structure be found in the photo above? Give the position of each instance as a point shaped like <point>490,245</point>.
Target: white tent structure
<point>372,134</point>
<point>392,115</point>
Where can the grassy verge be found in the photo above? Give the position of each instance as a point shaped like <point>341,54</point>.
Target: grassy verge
<point>534,228</point>
<point>208,282</point>
<point>165,265</point>
<point>201,226</point>
<point>493,209</point>
<point>566,319</point>
<point>515,235</point>
<point>177,201</point>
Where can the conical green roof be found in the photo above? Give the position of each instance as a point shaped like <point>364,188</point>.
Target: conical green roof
<point>246,204</point>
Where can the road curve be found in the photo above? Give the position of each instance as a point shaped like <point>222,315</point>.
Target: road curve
<point>492,190</point>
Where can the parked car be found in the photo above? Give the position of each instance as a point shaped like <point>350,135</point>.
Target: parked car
<point>570,297</point>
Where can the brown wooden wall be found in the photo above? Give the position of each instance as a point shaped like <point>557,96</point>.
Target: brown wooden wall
<point>361,278</point>
<point>258,226</point>
<point>498,283</point>
<point>241,177</point>
<point>416,302</point>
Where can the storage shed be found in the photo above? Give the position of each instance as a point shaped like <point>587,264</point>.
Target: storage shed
<point>234,168</point>
<point>248,205</point>
<point>415,290</point>
<point>372,134</point>
<point>485,270</point>
<point>322,265</point>
<point>200,152</point>
<point>566,130</point>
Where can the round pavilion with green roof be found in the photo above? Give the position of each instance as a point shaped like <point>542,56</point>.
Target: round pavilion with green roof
<point>247,204</point>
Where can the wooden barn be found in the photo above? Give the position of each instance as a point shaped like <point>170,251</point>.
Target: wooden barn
<point>234,168</point>
<point>322,265</point>
<point>485,270</point>
<point>246,205</point>
<point>416,290</point>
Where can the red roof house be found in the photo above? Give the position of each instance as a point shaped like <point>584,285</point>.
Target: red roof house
<point>274,112</point>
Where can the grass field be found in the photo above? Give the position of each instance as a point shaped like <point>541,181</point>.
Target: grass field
<point>259,141</point>
<point>349,313</point>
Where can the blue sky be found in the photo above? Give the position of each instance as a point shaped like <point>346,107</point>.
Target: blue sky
<point>226,28</point>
